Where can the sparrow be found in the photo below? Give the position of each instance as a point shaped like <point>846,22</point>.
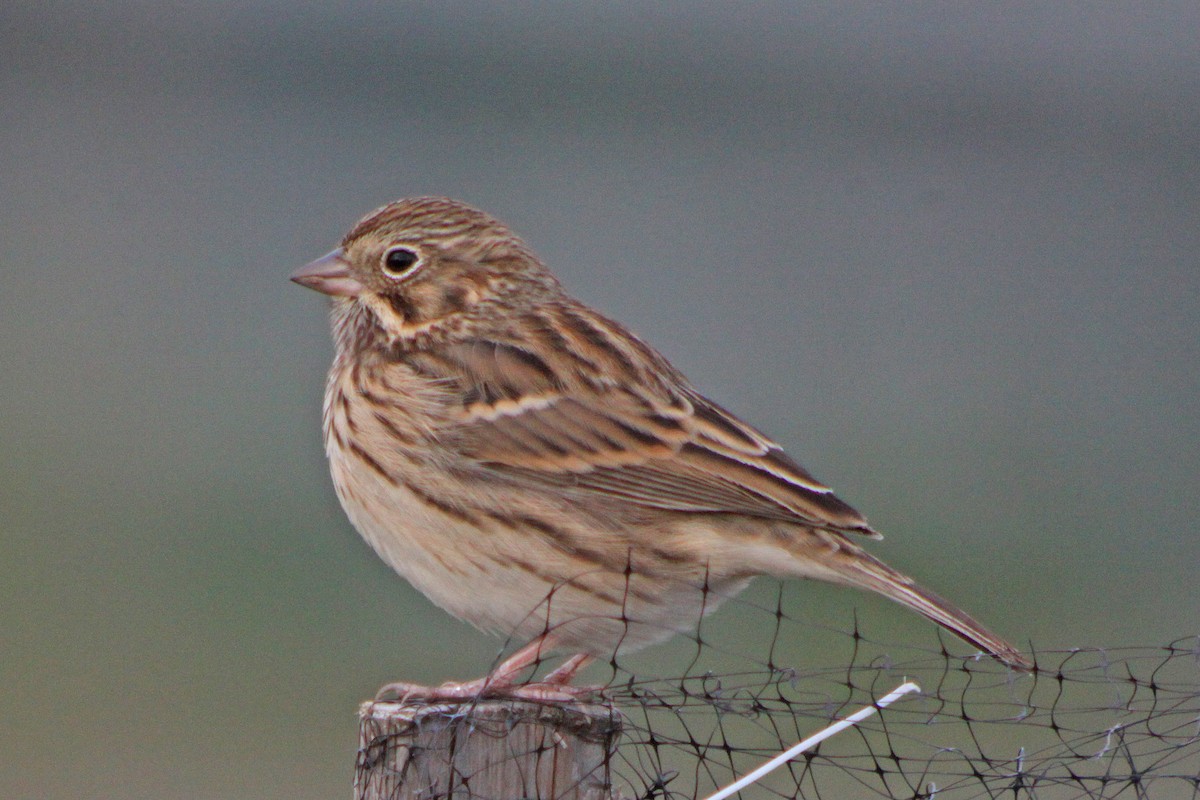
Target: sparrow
<point>538,470</point>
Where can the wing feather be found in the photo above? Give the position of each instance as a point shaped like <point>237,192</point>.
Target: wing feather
<point>658,445</point>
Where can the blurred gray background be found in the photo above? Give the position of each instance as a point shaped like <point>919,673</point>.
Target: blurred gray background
<point>945,253</point>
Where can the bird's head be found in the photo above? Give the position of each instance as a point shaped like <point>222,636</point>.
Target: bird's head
<point>423,269</point>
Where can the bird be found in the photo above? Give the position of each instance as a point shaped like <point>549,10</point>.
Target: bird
<point>538,470</point>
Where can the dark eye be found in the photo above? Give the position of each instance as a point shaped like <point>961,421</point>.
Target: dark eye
<point>399,261</point>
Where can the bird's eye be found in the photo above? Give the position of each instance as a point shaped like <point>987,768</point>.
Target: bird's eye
<point>399,261</point>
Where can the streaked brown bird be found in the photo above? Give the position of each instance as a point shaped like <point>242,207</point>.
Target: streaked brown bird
<point>537,470</point>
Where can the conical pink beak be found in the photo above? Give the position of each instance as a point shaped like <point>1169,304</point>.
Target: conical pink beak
<point>329,274</point>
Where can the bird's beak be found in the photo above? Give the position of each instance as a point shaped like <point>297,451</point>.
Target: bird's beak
<point>329,274</point>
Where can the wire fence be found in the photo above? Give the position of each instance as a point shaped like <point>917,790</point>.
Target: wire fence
<point>1087,723</point>
<point>1114,722</point>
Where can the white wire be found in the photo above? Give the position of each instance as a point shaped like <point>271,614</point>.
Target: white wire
<point>816,738</point>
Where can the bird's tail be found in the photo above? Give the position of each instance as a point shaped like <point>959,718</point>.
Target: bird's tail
<point>857,568</point>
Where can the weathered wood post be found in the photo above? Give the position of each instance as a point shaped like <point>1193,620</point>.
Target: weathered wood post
<point>493,749</point>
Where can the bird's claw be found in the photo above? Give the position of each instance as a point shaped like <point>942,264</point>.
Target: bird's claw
<point>483,689</point>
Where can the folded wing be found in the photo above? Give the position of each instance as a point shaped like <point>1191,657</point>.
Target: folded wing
<point>653,443</point>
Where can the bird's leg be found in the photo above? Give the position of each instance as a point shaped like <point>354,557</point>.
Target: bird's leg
<point>502,678</point>
<point>502,681</point>
<point>565,672</point>
<point>556,686</point>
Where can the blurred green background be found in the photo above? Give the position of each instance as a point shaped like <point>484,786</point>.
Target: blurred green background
<point>945,253</point>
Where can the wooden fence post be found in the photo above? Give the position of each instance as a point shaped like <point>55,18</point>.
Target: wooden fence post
<point>493,749</point>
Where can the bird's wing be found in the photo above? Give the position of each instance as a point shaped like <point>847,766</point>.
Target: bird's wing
<point>654,443</point>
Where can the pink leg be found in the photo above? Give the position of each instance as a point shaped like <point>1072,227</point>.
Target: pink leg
<point>565,673</point>
<point>502,681</point>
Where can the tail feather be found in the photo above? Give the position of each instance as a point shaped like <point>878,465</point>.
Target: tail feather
<point>860,569</point>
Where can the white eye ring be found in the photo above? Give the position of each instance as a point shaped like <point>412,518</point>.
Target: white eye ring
<point>399,262</point>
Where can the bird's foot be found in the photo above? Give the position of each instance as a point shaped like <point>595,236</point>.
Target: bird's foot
<point>554,688</point>
<point>485,689</point>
